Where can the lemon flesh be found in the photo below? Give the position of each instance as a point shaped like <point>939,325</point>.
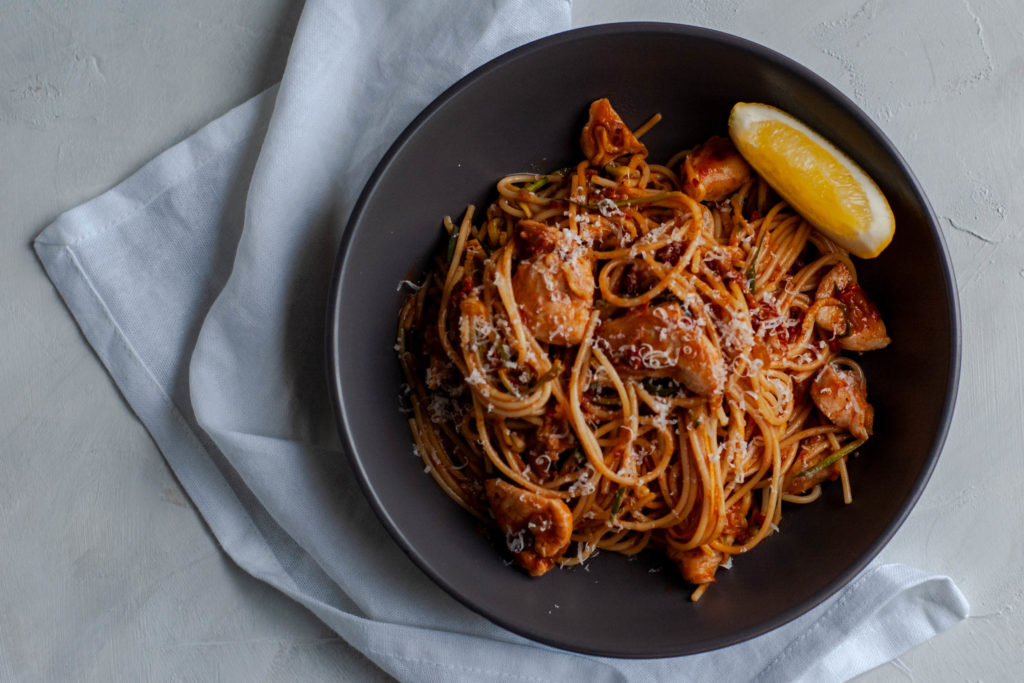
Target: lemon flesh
<point>824,185</point>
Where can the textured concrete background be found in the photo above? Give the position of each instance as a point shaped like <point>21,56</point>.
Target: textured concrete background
<point>108,572</point>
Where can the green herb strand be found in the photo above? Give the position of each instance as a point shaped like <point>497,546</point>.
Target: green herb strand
<point>552,373</point>
<point>661,386</point>
<point>616,503</point>
<point>546,179</point>
<point>538,183</point>
<point>452,241</point>
<point>832,459</point>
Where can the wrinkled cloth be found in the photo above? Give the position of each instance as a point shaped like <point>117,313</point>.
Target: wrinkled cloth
<point>201,283</point>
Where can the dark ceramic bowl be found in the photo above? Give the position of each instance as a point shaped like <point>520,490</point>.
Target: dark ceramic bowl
<point>523,112</point>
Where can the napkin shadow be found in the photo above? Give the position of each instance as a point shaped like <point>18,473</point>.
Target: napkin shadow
<point>305,336</point>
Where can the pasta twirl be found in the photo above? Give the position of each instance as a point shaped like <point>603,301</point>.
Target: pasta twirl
<point>624,355</point>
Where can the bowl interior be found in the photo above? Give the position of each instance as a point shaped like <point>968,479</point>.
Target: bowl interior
<point>524,112</point>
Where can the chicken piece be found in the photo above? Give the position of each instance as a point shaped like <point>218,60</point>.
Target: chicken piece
<point>537,528</point>
<point>735,521</point>
<point>714,170</point>
<point>811,453</point>
<point>536,238</point>
<point>554,287</point>
<point>602,235</point>
<point>699,564</point>
<point>606,137</point>
<point>857,326</point>
<point>842,397</point>
<point>663,341</point>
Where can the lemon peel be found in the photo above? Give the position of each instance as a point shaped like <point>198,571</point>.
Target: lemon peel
<point>821,182</point>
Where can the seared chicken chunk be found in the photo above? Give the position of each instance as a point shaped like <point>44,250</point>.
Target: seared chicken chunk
<point>699,564</point>
<point>663,341</point>
<point>606,137</point>
<point>554,287</point>
<point>536,238</point>
<point>735,521</point>
<point>843,398</point>
<point>714,170</point>
<point>857,325</point>
<point>537,528</point>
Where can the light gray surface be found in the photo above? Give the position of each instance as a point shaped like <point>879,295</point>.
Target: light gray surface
<point>108,569</point>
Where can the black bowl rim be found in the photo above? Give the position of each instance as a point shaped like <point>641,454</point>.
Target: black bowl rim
<point>334,361</point>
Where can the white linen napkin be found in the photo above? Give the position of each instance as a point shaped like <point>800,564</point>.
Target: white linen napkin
<point>201,283</point>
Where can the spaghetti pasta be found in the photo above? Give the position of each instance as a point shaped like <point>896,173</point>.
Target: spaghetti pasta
<point>619,357</point>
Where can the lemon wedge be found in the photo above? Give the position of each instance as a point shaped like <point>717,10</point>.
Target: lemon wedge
<point>831,191</point>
